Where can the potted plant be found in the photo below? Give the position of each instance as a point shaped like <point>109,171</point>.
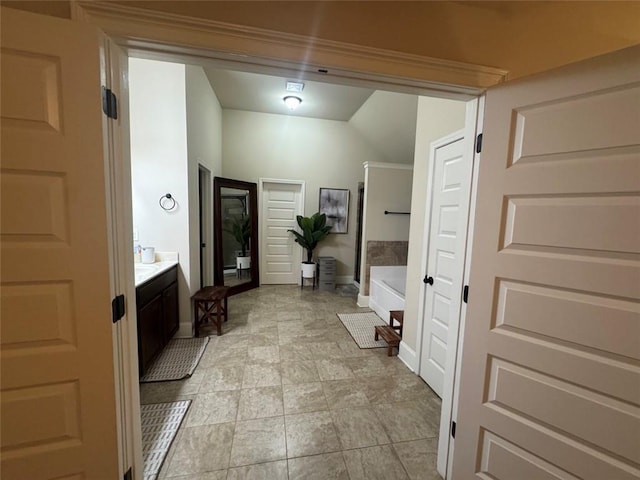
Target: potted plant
<point>313,229</point>
<point>240,229</point>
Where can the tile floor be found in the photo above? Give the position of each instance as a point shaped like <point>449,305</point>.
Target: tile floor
<point>285,393</point>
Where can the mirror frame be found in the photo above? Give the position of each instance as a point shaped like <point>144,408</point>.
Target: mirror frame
<point>218,184</point>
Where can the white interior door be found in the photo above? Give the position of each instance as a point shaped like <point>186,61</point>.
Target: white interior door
<point>550,376</point>
<point>58,394</point>
<point>447,235</point>
<point>281,201</point>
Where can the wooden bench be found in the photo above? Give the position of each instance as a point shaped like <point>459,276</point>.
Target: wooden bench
<point>389,335</point>
<point>210,305</point>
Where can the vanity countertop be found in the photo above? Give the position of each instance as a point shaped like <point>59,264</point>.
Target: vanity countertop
<point>147,271</point>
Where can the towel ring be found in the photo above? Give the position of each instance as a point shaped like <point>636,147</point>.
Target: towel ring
<point>167,202</point>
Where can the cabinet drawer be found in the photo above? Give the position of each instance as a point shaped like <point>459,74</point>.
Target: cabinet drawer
<point>327,285</point>
<point>148,290</point>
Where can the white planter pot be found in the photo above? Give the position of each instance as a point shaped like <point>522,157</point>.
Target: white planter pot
<point>243,263</point>
<point>308,270</point>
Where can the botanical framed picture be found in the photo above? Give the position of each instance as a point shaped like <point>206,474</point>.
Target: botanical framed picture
<point>334,203</point>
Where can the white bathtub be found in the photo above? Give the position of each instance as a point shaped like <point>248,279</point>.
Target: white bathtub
<point>386,289</point>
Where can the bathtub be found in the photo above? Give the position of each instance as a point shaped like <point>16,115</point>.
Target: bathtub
<point>386,289</point>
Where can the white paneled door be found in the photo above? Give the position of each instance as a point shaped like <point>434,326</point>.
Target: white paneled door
<point>449,213</point>
<point>550,374</point>
<point>281,201</point>
<point>58,399</point>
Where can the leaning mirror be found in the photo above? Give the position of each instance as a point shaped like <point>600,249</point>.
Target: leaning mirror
<point>235,234</point>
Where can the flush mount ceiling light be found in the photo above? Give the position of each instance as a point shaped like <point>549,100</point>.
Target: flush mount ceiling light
<point>292,102</point>
<point>294,87</point>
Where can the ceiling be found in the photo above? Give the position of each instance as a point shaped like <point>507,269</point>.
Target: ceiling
<point>386,120</point>
<point>264,93</point>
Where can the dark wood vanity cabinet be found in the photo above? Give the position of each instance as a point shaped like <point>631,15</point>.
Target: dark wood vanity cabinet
<point>157,302</point>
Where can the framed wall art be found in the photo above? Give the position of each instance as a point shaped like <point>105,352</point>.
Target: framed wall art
<point>334,203</point>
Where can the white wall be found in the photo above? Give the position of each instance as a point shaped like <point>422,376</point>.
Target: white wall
<point>159,163</point>
<point>436,118</point>
<point>323,153</point>
<point>204,148</point>
<point>387,187</point>
<point>388,121</point>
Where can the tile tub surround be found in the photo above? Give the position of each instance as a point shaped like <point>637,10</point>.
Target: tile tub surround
<point>286,394</point>
<point>384,253</point>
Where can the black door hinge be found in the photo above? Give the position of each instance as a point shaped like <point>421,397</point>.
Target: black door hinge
<point>479,143</point>
<point>117,308</point>
<point>453,429</point>
<point>109,103</point>
<point>465,294</point>
<point>128,475</point>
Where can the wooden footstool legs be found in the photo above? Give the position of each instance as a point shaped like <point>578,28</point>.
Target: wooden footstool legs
<point>210,305</point>
<point>389,335</point>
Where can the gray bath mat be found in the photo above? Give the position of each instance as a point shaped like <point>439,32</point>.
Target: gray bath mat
<point>160,423</point>
<point>178,360</point>
<point>361,327</point>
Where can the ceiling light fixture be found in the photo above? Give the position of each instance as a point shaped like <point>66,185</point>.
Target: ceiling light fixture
<point>292,102</point>
<point>294,87</point>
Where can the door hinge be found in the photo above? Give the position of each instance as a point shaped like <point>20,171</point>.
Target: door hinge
<point>128,475</point>
<point>117,308</point>
<point>479,143</point>
<point>465,294</point>
<point>453,429</point>
<point>109,103</point>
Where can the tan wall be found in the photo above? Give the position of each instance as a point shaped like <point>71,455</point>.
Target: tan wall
<point>522,37</point>
<point>387,187</point>
<point>323,153</point>
<point>436,118</point>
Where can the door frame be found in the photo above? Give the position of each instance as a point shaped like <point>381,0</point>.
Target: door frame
<point>168,37</point>
<point>261,226</point>
<point>473,118</point>
<point>205,201</point>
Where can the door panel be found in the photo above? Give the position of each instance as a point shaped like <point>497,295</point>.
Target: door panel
<point>451,188</point>
<point>550,379</point>
<point>281,202</point>
<point>58,399</point>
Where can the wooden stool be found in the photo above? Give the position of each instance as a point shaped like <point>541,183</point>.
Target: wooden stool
<point>398,316</point>
<point>389,335</point>
<point>210,305</point>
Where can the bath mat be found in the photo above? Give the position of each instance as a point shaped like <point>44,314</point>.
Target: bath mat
<point>361,326</point>
<point>160,423</point>
<point>177,360</point>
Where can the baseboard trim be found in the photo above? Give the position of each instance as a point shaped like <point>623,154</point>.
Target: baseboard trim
<point>344,279</point>
<point>363,301</point>
<point>408,356</point>
<point>185,330</point>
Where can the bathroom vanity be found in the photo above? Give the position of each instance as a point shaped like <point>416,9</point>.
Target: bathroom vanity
<point>157,308</point>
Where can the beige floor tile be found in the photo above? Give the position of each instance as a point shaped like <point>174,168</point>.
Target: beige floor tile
<point>217,475</point>
<point>419,458</point>
<point>194,452</point>
<point>329,466</point>
<point>310,434</point>
<point>270,354</point>
<point>267,375</point>
<point>218,356</point>
<point>299,372</point>
<point>344,394</point>
<point>322,350</point>
<point>374,463</point>
<point>267,337</point>
<point>368,366</point>
<point>263,471</point>
<point>304,397</point>
<point>214,407</point>
<point>407,421</point>
<point>295,353</point>
<point>258,441</point>
<point>260,403</point>
<point>358,428</point>
<point>221,378</point>
<point>333,369</point>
